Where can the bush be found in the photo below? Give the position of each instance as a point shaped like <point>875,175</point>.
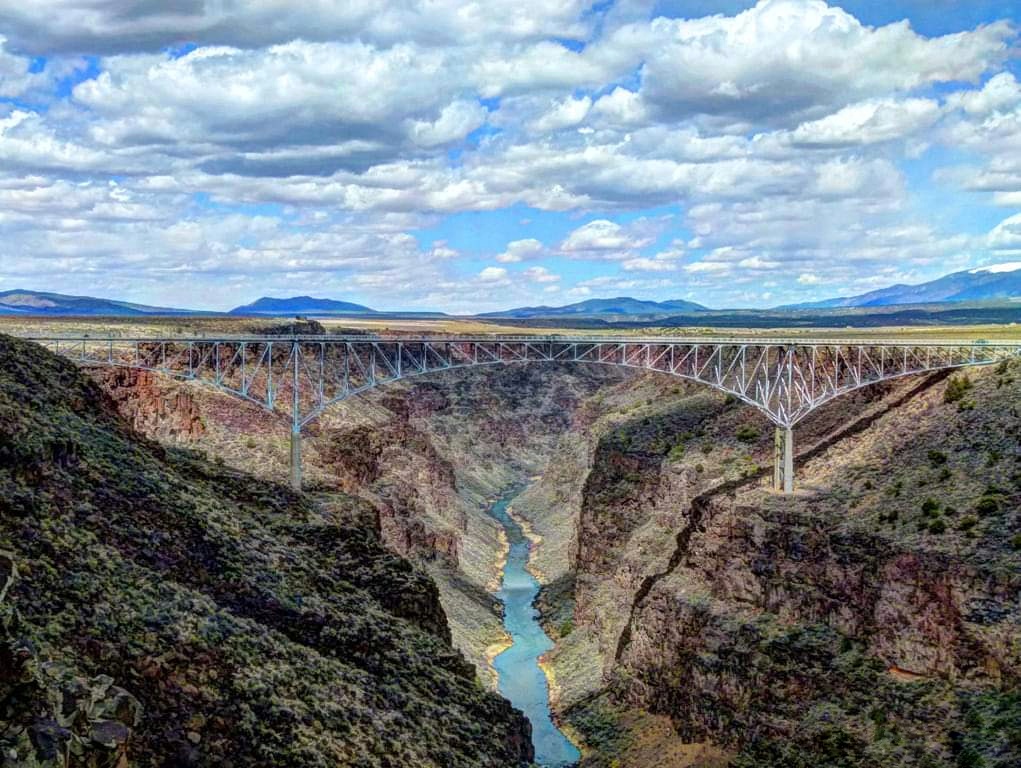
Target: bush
<point>1015,542</point>
<point>956,389</point>
<point>676,453</point>
<point>937,458</point>
<point>747,434</point>
<point>566,628</point>
<point>967,523</point>
<point>937,526</point>
<point>930,507</point>
<point>987,505</point>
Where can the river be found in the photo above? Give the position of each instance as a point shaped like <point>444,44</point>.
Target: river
<point>520,678</point>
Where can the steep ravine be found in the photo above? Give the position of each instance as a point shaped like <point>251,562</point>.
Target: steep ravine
<point>428,455</point>
<point>700,619</point>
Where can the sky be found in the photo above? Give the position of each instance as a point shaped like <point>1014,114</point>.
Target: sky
<point>469,156</point>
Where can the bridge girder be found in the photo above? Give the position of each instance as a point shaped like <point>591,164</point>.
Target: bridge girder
<point>785,379</point>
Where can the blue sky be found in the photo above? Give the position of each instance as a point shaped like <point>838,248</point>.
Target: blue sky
<point>476,156</point>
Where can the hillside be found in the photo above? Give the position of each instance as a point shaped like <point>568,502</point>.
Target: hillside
<point>21,302</point>
<point>158,609</point>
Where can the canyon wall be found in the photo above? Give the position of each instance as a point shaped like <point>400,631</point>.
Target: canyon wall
<point>699,616</point>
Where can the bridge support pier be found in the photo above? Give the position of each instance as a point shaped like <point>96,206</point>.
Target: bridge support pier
<point>788,460</point>
<point>296,459</point>
<point>783,460</point>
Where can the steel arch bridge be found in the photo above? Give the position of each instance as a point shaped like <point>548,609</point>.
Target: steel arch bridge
<point>786,379</point>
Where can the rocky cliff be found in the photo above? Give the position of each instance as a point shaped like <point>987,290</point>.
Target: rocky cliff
<point>873,618</point>
<point>160,609</point>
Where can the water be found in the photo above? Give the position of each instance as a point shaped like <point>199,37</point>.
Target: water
<point>520,679</point>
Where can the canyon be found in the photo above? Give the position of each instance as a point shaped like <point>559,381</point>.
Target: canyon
<point>699,618</point>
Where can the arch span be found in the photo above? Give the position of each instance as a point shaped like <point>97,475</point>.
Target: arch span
<point>785,379</point>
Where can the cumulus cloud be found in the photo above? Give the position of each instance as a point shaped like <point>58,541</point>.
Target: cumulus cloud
<point>868,122</point>
<point>320,140</point>
<point>790,60</point>
<point>1007,234</point>
<point>49,26</point>
<point>522,250</point>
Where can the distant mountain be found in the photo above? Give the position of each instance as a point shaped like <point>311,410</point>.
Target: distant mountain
<point>301,305</point>
<point>996,282</point>
<point>622,305</point>
<point>22,302</point>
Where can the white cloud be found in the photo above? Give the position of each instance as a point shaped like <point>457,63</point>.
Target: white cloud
<point>562,114</point>
<point>868,122</point>
<point>521,250</point>
<point>1006,234</point>
<point>313,144</point>
<point>541,275</point>
<point>787,59</point>
<point>48,26</point>
<point>493,275</point>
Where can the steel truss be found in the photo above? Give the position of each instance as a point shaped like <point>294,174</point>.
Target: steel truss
<point>786,379</point>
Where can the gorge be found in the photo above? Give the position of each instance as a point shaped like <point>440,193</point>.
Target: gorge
<point>698,618</point>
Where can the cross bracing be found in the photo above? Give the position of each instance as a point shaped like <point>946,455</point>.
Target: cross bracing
<point>786,379</point>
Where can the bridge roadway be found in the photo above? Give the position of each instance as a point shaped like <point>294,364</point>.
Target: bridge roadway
<point>784,378</point>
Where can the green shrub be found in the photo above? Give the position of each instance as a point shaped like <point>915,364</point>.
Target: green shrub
<point>937,526</point>
<point>676,453</point>
<point>967,523</point>
<point>956,389</point>
<point>566,627</point>
<point>930,507</point>
<point>1015,542</point>
<point>937,458</point>
<point>987,505</point>
<point>747,433</point>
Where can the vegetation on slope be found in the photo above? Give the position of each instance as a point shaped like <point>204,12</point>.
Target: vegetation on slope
<point>158,610</point>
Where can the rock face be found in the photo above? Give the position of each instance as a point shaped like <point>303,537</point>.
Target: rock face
<point>154,405</point>
<point>170,611</point>
<point>873,619</point>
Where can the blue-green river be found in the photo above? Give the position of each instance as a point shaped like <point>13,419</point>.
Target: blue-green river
<point>520,679</point>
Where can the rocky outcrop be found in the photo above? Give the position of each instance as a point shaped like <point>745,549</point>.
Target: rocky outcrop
<point>153,405</point>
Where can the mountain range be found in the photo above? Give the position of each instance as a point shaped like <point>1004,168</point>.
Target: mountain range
<point>1000,281</point>
<point>995,283</point>
<point>21,302</point>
